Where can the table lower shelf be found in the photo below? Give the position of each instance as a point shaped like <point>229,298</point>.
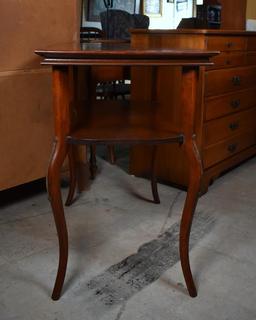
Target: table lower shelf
<point>120,121</point>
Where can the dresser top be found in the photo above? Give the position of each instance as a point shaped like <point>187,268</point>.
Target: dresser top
<point>194,31</point>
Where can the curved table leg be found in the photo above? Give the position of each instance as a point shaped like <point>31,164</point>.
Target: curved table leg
<point>72,176</point>
<point>188,212</point>
<point>54,192</point>
<point>153,176</point>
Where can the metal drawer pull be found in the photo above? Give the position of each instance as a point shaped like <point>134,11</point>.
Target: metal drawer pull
<point>232,147</point>
<point>234,125</point>
<point>235,104</point>
<point>230,44</point>
<point>236,81</point>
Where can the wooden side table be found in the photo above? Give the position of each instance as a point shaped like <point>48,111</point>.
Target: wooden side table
<point>133,123</point>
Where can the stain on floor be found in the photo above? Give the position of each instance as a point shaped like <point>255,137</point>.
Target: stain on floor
<point>122,280</point>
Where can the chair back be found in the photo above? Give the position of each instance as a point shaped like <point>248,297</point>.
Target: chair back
<point>116,23</point>
<point>141,21</point>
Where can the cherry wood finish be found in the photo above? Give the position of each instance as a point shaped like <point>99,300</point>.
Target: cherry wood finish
<point>220,129</point>
<point>93,124</point>
<point>236,43</point>
<point>226,100</point>
<point>229,80</point>
<point>233,13</point>
<point>230,103</point>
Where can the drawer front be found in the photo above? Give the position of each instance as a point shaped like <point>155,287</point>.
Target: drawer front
<point>225,80</point>
<point>223,150</point>
<point>251,44</point>
<point>223,128</point>
<point>228,60</point>
<point>216,107</point>
<point>226,43</point>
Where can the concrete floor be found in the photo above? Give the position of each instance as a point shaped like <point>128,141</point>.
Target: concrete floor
<point>124,261</point>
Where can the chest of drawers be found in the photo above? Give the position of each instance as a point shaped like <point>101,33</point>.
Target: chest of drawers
<point>226,125</point>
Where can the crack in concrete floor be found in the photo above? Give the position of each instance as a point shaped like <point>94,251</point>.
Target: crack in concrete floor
<point>124,279</point>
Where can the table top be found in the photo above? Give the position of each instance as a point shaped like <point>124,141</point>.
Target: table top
<point>107,53</point>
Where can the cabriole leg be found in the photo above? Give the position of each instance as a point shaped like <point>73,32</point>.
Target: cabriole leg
<point>61,107</point>
<point>55,198</point>
<point>187,216</point>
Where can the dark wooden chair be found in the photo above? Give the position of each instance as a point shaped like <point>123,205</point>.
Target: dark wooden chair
<point>116,23</point>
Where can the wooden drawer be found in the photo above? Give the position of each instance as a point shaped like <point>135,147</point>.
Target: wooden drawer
<point>226,43</point>
<point>225,80</point>
<point>223,128</point>
<point>216,107</point>
<point>228,60</point>
<point>223,150</point>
